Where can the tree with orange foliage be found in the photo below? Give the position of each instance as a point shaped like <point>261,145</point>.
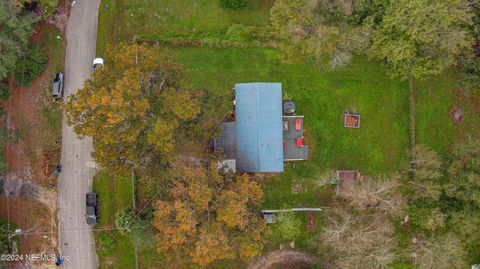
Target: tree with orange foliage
<point>137,108</point>
<point>209,216</point>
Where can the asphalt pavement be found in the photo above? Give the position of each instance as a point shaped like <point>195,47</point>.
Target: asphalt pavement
<point>76,241</point>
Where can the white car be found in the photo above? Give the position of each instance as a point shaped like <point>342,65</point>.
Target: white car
<point>97,62</point>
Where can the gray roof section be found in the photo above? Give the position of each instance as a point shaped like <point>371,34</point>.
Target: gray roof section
<point>227,140</point>
<point>259,127</point>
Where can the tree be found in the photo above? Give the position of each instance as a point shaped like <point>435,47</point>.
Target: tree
<point>17,27</point>
<point>464,174</point>
<point>417,38</point>
<point>137,109</point>
<point>304,32</point>
<point>288,225</point>
<point>445,252</point>
<point>424,190</point>
<point>209,216</point>
<point>443,194</point>
<point>378,193</point>
<point>426,175</point>
<point>463,191</point>
<point>45,8</point>
<point>469,62</point>
<point>360,241</point>
<point>30,65</point>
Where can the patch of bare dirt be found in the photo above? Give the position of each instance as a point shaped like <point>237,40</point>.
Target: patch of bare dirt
<point>284,259</point>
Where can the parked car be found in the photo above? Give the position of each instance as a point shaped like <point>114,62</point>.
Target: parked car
<point>92,208</point>
<point>97,62</point>
<point>57,90</point>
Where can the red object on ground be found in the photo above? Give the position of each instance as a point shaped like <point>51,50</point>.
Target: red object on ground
<point>298,124</point>
<point>299,142</point>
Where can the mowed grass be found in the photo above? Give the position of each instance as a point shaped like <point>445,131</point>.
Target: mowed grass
<point>435,127</point>
<point>115,194</point>
<point>379,146</point>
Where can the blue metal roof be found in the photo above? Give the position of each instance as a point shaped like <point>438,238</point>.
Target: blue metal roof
<point>259,127</point>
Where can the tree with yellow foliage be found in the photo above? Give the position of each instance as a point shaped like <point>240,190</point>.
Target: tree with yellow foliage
<point>208,217</point>
<point>137,108</point>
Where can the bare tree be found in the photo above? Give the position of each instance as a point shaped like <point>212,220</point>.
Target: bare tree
<point>379,193</point>
<point>328,177</point>
<point>363,241</point>
<point>439,253</point>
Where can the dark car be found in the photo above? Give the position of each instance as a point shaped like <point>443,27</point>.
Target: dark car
<point>57,90</point>
<point>92,208</point>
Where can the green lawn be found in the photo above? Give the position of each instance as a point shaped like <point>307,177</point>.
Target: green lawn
<point>435,127</point>
<point>115,194</point>
<point>55,46</point>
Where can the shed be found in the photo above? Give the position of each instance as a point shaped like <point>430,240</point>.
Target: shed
<point>258,109</point>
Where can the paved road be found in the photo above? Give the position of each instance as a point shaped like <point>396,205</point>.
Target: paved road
<point>76,239</point>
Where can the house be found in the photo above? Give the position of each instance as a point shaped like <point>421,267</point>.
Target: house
<point>261,138</point>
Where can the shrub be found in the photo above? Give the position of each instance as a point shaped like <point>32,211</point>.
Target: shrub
<point>288,225</point>
<point>469,70</point>
<point>233,4</point>
<point>31,65</point>
<point>4,91</point>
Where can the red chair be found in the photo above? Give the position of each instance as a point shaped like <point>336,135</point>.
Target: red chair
<point>300,142</point>
<point>298,124</point>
